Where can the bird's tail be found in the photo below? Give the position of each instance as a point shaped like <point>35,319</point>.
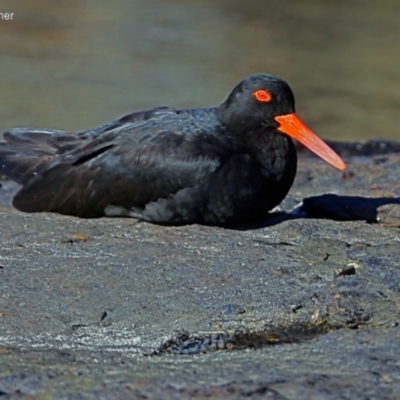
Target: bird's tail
<point>27,151</point>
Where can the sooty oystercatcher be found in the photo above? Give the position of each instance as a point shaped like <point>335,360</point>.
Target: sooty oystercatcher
<point>231,163</point>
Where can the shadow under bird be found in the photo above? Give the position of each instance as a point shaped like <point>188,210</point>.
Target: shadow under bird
<point>228,164</point>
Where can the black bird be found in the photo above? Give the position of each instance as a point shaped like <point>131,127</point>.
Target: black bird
<point>228,164</point>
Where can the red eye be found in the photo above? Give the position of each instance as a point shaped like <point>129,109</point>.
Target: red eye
<point>263,95</point>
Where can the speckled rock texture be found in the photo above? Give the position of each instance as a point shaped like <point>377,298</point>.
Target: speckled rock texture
<point>303,305</point>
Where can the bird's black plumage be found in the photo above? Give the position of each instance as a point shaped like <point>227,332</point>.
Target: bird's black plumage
<point>213,166</point>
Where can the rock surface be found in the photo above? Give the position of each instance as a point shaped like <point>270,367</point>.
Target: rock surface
<point>303,305</point>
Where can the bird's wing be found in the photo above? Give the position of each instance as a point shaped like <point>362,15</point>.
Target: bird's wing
<point>27,151</point>
<point>134,118</point>
<point>129,165</point>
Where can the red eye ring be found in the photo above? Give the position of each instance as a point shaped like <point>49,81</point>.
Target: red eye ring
<point>263,95</point>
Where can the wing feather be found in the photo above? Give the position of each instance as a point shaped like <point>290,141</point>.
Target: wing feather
<point>140,158</point>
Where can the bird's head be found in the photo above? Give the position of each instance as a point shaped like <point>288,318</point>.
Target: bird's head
<point>265,102</point>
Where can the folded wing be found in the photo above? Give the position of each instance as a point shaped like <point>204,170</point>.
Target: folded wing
<point>137,159</point>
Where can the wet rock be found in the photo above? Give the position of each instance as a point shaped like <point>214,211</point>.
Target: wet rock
<point>301,305</point>
<point>233,309</point>
<point>389,214</point>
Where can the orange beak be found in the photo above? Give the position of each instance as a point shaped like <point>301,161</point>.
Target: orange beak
<point>293,126</point>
